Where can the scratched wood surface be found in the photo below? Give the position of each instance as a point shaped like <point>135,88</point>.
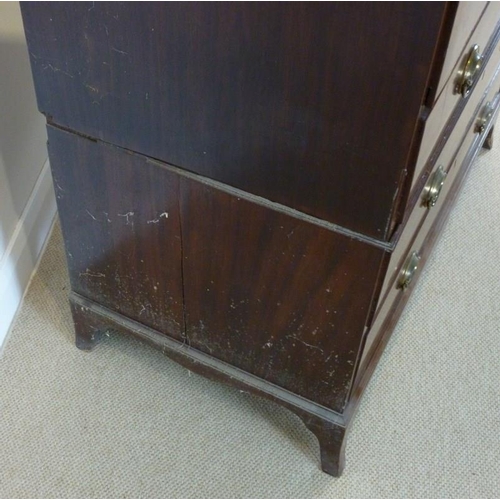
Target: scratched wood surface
<point>259,289</point>
<point>120,221</point>
<point>312,105</point>
<point>274,295</point>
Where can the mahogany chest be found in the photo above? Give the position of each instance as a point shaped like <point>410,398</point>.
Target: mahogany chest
<point>253,188</point>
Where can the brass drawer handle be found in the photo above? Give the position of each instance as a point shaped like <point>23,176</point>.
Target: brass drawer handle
<point>433,187</point>
<point>470,71</point>
<point>485,117</point>
<point>409,269</point>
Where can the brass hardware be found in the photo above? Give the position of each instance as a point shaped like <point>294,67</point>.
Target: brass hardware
<point>433,187</point>
<point>409,269</point>
<point>485,117</point>
<point>469,74</point>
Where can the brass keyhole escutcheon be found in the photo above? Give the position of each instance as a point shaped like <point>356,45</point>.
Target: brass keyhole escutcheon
<point>469,73</point>
<point>408,271</point>
<point>434,186</point>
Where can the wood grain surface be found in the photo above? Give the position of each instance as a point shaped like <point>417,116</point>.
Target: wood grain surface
<point>312,105</point>
<point>261,289</point>
<point>274,295</point>
<point>120,222</point>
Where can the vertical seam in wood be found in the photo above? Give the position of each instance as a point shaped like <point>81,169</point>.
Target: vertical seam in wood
<point>179,207</point>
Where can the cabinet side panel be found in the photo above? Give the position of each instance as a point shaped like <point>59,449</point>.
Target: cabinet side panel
<point>120,222</point>
<point>274,295</point>
<point>311,105</point>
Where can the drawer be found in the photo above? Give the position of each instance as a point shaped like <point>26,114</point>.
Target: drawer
<point>443,116</point>
<point>447,161</point>
<point>466,19</point>
<point>429,226</point>
<point>454,134</point>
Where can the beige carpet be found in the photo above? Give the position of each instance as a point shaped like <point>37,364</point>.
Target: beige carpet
<point>125,422</point>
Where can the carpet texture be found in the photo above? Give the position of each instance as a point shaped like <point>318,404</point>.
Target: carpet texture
<point>123,421</point>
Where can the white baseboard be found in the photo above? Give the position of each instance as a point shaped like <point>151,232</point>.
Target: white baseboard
<point>25,248</point>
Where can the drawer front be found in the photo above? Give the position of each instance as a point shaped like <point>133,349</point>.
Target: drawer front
<point>454,135</point>
<point>280,99</point>
<point>444,113</point>
<point>427,231</point>
<point>466,19</point>
<point>463,133</point>
<point>448,160</point>
<point>120,222</point>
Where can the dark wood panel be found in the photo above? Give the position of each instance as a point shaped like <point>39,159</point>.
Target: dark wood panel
<point>312,105</point>
<point>120,221</point>
<point>279,297</point>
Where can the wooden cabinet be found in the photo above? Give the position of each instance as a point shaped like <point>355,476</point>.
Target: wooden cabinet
<point>254,188</point>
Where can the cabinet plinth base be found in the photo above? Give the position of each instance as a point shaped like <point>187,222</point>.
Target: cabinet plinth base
<point>92,321</point>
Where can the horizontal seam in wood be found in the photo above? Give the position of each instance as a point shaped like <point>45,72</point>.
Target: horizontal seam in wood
<point>330,226</point>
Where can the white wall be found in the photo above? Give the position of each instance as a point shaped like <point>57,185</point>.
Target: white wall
<point>26,199</point>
